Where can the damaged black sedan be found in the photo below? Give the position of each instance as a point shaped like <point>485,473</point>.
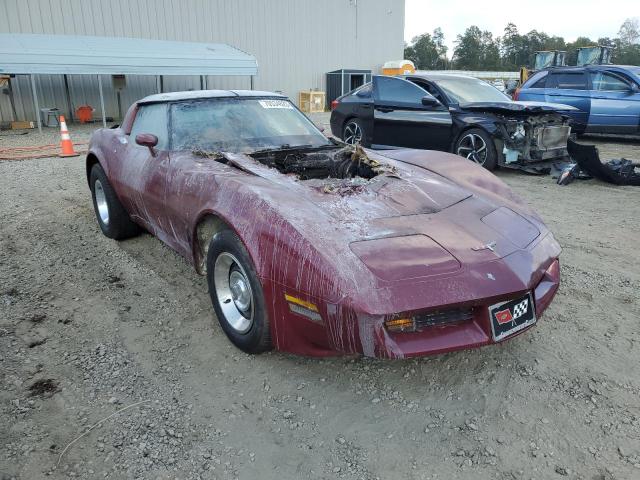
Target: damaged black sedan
<point>453,113</point>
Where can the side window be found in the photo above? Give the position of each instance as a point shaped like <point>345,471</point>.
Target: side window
<point>540,82</point>
<point>152,119</point>
<point>608,82</point>
<point>430,88</point>
<point>365,91</point>
<point>568,81</point>
<point>397,90</point>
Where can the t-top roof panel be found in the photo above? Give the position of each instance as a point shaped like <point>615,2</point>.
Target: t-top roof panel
<point>72,54</point>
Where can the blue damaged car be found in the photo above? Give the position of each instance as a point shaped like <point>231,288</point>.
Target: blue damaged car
<point>607,96</point>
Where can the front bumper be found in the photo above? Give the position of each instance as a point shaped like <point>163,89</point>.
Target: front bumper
<point>469,334</point>
<point>343,330</point>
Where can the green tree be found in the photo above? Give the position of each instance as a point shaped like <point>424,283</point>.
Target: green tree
<point>629,32</point>
<point>477,50</point>
<point>627,51</point>
<point>427,51</point>
<point>513,48</point>
<point>438,39</point>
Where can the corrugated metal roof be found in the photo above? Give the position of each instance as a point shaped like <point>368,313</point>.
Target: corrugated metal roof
<point>74,54</point>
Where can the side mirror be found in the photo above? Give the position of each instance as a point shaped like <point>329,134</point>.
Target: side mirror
<point>429,101</point>
<point>148,140</point>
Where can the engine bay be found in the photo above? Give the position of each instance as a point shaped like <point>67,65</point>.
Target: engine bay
<point>536,137</point>
<point>336,163</point>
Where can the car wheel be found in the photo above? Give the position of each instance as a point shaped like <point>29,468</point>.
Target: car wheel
<point>476,145</point>
<point>113,219</point>
<point>236,294</point>
<point>353,132</point>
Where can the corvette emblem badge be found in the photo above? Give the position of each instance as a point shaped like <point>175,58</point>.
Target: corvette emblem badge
<point>487,246</point>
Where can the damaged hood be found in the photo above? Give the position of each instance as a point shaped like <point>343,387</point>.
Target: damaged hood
<point>408,190</point>
<point>525,108</point>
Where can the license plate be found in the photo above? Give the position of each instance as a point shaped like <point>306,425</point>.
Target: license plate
<point>511,316</point>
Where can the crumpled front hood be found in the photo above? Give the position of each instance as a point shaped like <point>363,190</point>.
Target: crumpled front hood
<point>411,190</point>
<point>387,196</point>
<point>516,107</point>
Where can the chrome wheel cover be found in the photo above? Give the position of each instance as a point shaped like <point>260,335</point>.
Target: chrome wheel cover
<point>233,291</point>
<point>101,202</point>
<point>473,147</point>
<point>352,133</point>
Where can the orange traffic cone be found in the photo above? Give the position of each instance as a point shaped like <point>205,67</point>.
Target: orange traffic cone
<point>66,144</point>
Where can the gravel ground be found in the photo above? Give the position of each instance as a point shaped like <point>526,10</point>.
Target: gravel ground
<point>31,136</point>
<point>89,327</point>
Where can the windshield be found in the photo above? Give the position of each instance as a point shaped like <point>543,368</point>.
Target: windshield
<point>462,90</point>
<point>241,125</point>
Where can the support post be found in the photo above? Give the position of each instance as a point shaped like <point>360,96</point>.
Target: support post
<point>12,100</point>
<point>251,82</point>
<point>158,86</point>
<point>69,106</point>
<point>35,101</point>
<point>201,82</point>
<point>104,118</point>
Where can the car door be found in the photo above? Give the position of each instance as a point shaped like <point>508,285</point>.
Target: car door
<point>615,104</point>
<point>400,118</point>
<point>142,173</point>
<point>570,87</point>
<point>360,105</point>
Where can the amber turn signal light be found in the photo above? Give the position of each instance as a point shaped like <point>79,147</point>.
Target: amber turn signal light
<point>400,325</point>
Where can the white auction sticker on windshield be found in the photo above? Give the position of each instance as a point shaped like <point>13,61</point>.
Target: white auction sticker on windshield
<point>275,104</point>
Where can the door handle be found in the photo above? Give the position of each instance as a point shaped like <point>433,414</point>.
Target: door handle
<point>384,109</point>
<point>365,106</point>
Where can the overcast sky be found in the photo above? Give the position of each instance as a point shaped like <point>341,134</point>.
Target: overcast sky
<point>564,18</point>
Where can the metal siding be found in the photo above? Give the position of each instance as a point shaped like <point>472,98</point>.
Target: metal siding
<point>296,42</point>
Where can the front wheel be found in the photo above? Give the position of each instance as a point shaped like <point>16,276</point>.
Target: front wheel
<point>236,294</point>
<point>476,145</point>
<point>113,219</point>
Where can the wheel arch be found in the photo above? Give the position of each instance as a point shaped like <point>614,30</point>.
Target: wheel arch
<point>91,160</point>
<point>466,128</point>
<point>208,224</point>
<point>492,134</point>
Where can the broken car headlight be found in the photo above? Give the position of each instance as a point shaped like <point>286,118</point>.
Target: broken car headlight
<point>516,131</point>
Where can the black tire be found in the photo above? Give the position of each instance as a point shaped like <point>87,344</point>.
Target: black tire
<point>490,161</point>
<point>256,336</point>
<point>117,224</point>
<point>350,131</point>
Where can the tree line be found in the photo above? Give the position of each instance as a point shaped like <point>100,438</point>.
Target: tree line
<point>479,50</point>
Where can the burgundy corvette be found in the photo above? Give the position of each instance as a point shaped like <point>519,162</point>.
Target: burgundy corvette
<point>315,247</point>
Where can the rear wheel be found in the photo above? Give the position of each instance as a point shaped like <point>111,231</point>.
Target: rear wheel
<point>236,294</point>
<point>476,145</point>
<point>353,132</point>
<point>113,219</point>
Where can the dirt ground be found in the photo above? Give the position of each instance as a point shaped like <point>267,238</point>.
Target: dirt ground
<point>122,333</point>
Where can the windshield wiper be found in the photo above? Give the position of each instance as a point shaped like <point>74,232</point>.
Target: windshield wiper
<point>284,146</point>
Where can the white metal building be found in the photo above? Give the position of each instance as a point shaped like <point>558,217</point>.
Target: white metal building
<point>295,42</point>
